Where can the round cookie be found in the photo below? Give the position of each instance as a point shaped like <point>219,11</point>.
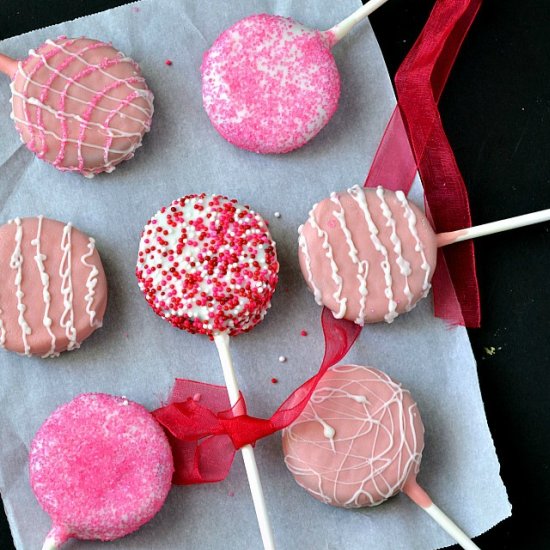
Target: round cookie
<point>367,254</point>
<point>101,467</point>
<point>208,265</point>
<point>80,105</point>
<point>358,441</point>
<point>53,290</point>
<point>269,84</point>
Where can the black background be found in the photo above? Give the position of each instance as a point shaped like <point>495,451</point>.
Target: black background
<point>496,111</point>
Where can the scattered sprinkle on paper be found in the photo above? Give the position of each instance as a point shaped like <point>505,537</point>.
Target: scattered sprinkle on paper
<point>277,214</point>
<point>303,333</point>
<point>168,62</point>
<point>274,380</point>
<point>282,359</point>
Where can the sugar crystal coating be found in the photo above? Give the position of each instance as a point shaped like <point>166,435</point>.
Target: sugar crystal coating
<point>208,265</point>
<point>269,84</point>
<point>100,466</point>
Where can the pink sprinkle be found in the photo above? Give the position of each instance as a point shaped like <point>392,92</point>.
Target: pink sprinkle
<point>168,62</point>
<point>252,59</point>
<point>197,397</point>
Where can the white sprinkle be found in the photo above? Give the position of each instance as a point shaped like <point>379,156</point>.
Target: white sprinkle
<point>282,359</point>
<point>277,214</point>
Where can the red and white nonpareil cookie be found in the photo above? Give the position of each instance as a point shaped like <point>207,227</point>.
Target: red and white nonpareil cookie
<point>270,84</point>
<point>208,265</point>
<point>53,290</point>
<point>101,467</point>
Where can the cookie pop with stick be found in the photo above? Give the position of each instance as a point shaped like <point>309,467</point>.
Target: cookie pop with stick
<point>369,254</point>
<point>101,467</point>
<point>359,441</point>
<point>53,289</point>
<point>270,84</point>
<point>208,265</point>
<point>79,104</point>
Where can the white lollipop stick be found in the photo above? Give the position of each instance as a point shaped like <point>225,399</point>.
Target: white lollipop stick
<point>222,344</point>
<point>422,499</point>
<point>7,65</point>
<point>443,239</point>
<point>50,544</point>
<point>341,29</point>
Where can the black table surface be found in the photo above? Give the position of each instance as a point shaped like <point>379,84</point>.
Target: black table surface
<point>496,112</point>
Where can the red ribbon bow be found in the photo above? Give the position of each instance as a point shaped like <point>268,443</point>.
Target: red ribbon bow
<point>205,432</point>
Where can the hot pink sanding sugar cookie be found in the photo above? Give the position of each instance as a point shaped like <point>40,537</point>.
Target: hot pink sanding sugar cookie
<point>53,290</point>
<point>358,441</point>
<point>269,84</point>
<point>80,105</point>
<point>367,254</point>
<point>101,467</point>
<point>208,265</point>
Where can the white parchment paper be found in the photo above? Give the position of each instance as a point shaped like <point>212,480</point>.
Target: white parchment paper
<point>138,355</point>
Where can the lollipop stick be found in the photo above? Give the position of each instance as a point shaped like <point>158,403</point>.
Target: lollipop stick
<point>341,29</point>
<point>422,499</point>
<point>222,344</point>
<point>8,65</point>
<point>49,544</point>
<point>450,237</point>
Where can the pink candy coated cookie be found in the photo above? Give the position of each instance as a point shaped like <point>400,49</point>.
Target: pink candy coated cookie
<point>80,105</point>
<point>269,84</point>
<point>53,290</point>
<point>208,265</point>
<point>367,254</point>
<point>358,441</point>
<point>101,467</point>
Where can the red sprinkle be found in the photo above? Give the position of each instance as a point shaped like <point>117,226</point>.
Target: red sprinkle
<point>303,333</point>
<point>274,380</point>
<point>168,62</point>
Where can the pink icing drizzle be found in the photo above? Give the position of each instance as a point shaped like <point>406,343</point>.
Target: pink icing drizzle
<point>81,105</point>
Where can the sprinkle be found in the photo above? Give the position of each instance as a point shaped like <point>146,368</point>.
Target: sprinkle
<point>283,80</point>
<point>197,397</point>
<point>303,333</point>
<point>274,380</point>
<point>168,62</point>
<point>282,359</point>
<point>277,214</point>
<point>208,265</point>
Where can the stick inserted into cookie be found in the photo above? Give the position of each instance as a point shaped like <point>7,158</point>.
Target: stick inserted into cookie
<point>208,265</point>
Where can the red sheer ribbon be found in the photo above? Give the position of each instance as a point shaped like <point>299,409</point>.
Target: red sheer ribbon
<point>415,139</point>
<point>203,429</point>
